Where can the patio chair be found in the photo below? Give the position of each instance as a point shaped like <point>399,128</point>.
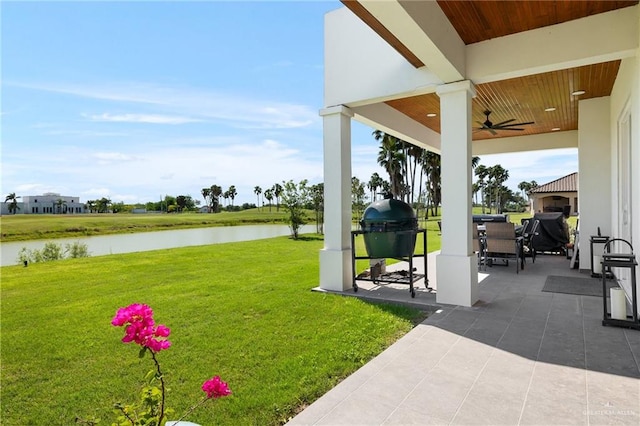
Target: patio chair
<point>502,243</point>
<point>479,246</point>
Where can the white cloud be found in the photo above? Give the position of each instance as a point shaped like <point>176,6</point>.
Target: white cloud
<point>140,118</point>
<point>234,109</point>
<point>111,157</point>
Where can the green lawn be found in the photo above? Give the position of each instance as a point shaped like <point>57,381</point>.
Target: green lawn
<point>241,310</point>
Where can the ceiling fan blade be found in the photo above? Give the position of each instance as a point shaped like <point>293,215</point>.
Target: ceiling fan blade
<point>516,124</point>
<point>493,132</point>
<point>509,128</point>
<point>504,122</point>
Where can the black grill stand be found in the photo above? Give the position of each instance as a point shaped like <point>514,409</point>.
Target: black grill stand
<point>409,278</point>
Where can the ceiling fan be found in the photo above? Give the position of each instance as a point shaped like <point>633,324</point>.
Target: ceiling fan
<point>504,125</point>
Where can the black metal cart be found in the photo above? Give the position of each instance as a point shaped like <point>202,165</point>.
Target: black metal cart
<point>398,277</point>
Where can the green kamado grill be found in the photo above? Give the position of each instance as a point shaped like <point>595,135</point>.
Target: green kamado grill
<point>389,229</point>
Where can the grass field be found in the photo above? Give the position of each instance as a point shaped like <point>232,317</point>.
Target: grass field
<point>241,310</point>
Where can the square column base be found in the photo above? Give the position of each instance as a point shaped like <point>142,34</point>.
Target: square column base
<point>457,278</point>
<point>335,270</point>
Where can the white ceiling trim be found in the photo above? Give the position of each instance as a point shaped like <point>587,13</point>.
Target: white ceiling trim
<point>424,29</point>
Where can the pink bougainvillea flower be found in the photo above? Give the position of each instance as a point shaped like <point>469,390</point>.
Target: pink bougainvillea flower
<point>140,327</point>
<point>162,331</point>
<point>216,388</point>
<point>135,312</point>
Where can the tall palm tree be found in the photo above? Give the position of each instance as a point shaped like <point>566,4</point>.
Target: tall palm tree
<point>482,172</point>
<point>216,192</point>
<point>206,194</point>
<point>257,190</point>
<point>499,176</point>
<point>414,152</point>
<point>13,207</point>
<point>374,183</point>
<point>524,187</point>
<point>432,169</point>
<point>268,194</point>
<point>232,193</point>
<point>391,157</point>
<point>277,192</point>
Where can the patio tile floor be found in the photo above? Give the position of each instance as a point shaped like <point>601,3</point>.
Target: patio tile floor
<point>518,356</point>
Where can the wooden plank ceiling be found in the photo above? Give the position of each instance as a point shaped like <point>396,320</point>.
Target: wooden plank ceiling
<point>524,99</point>
<point>476,21</point>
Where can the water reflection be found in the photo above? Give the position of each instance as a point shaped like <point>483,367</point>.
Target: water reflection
<point>145,241</point>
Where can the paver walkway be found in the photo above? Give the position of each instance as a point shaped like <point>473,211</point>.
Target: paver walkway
<point>519,356</point>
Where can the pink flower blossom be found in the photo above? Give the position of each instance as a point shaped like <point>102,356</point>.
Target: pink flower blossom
<point>140,327</point>
<point>216,388</point>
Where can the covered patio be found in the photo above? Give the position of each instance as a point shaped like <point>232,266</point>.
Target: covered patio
<point>439,74</point>
<point>430,72</point>
<point>518,356</point>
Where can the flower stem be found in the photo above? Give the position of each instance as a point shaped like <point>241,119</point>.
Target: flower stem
<point>190,410</point>
<point>153,355</point>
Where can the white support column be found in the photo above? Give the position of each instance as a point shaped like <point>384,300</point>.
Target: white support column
<point>594,173</point>
<point>335,257</point>
<point>456,265</point>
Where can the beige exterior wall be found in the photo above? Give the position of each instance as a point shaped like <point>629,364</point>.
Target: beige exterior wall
<point>555,199</point>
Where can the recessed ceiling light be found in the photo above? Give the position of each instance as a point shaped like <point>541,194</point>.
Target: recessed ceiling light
<point>550,109</point>
<point>431,114</point>
<point>578,92</point>
<point>555,129</point>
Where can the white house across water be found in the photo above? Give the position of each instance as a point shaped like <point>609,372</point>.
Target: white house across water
<point>47,203</point>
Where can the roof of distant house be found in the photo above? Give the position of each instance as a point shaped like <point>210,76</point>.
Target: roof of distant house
<point>568,183</point>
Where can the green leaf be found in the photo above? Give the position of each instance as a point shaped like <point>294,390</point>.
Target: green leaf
<point>142,352</point>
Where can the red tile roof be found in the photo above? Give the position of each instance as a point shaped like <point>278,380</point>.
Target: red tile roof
<point>568,183</point>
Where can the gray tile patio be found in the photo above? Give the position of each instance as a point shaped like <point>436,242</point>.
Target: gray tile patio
<point>518,356</point>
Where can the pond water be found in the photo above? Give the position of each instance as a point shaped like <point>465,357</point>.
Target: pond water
<point>145,241</point>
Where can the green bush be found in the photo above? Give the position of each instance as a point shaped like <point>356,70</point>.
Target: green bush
<point>52,251</point>
<point>76,250</point>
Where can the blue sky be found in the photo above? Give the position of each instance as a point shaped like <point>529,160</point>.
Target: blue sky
<point>135,100</point>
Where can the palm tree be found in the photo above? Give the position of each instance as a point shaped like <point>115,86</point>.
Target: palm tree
<point>216,192</point>
<point>257,190</point>
<point>374,183</point>
<point>59,204</point>
<point>475,188</point>
<point>391,157</point>
<point>268,194</point>
<point>13,207</point>
<point>277,192</point>
<point>206,193</point>
<point>431,168</point>
<point>416,153</point>
<point>499,176</point>
<point>232,193</point>
<point>482,172</point>
<point>474,162</point>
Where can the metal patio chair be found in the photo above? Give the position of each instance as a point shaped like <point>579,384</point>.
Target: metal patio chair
<point>502,243</point>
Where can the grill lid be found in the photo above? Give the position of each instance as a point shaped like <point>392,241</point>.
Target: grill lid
<point>393,214</point>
